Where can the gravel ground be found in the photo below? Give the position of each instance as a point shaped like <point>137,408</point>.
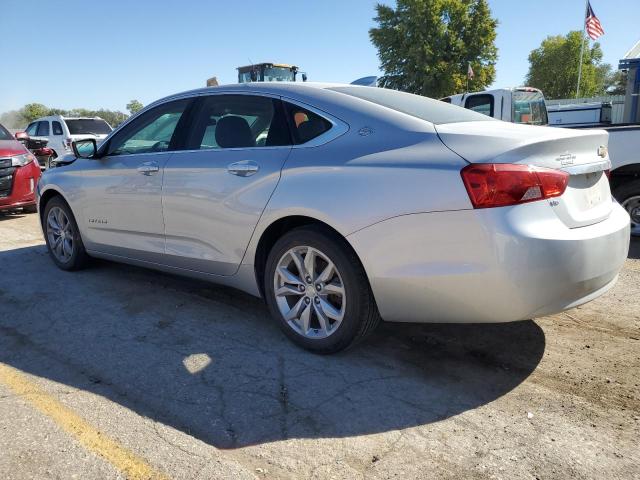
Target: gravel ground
<point>195,381</point>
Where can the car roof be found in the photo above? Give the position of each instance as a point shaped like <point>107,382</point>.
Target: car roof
<point>62,117</point>
<point>279,88</point>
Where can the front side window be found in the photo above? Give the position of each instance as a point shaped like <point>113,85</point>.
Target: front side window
<point>32,128</point>
<point>43,129</point>
<point>480,103</point>
<point>57,128</point>
<point>152,132</point>
<point>305,125</point>
<point>238,121</point>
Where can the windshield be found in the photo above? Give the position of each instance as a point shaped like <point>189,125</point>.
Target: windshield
<point>425,108</point>
<point>278,74</point>
<point>91,126</point>
<point>4,134</point>
<point>529,108</point>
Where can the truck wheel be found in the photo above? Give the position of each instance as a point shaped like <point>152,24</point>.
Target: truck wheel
<point>628,195</point>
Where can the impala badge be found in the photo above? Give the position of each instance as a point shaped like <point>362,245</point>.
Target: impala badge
<point>566,159</point>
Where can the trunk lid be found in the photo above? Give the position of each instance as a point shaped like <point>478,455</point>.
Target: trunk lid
<point>587,199</point>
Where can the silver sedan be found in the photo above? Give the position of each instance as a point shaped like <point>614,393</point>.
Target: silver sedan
<point>343,205</point>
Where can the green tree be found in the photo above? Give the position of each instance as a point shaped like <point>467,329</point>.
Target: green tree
<point>31,111</point>
<point>13,119</point>
<point>134,106</point>
<point>553,67</point>
<point>425,46</point>
<point>617,83</point>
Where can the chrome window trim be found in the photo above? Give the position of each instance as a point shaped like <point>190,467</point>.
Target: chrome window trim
<point>337,129</point>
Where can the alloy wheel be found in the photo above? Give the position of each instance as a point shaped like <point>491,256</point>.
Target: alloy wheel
<point>60,234</point>
<point>309,292</point>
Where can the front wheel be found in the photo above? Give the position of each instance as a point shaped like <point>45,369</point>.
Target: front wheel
<point>62,236</point>
<point>318,291</point>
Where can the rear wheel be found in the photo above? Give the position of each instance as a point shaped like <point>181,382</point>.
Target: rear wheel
<point>628,194</point>
<point>63,237</point>
<point>317,290</point>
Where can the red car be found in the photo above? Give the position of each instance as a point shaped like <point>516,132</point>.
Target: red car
<point>19,174</point>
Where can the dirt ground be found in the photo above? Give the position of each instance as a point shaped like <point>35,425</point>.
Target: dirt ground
<point>116,372</point>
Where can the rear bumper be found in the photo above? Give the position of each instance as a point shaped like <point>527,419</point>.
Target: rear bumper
<point>492,265</point>
<point>23,188</point>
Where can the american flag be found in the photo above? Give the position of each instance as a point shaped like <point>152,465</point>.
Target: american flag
<point>592,24</point>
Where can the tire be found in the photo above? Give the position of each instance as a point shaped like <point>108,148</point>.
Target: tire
<point>73,258</point>
<point>335,321</point>
<point>628,194</point>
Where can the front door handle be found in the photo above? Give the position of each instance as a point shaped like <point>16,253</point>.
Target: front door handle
<point>148,168</point>
<point>244,168</point>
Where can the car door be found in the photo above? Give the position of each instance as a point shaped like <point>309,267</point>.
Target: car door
<point>56,141</point>
<point>122,204</point>
<point>216,189</point>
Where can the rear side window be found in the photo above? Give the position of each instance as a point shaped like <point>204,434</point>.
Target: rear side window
<point>152,132</point>
<point>480,103</point>
<point>57,128</point>
<point>305,125</point>
<point>238,121</point>
<point>43,129</point>
<point>91,126</point>
<point>4,134</point>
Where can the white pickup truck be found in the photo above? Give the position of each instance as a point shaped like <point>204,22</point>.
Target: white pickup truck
<point>517,105</point>
<point>526,105</point>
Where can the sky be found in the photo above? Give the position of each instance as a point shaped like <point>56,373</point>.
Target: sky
<point>101,54</point>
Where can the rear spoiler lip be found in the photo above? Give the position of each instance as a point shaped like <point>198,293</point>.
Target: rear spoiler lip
<point>588,167</point>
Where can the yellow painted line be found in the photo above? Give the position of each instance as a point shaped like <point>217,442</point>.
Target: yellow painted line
<point>132,466</point>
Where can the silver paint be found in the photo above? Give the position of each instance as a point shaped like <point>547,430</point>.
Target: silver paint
<point>396,196</point>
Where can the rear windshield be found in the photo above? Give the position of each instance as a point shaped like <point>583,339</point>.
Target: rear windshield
<point>529,108</point>
<point>425,108</point>
<point>4,134</point>
<point>83,126</point>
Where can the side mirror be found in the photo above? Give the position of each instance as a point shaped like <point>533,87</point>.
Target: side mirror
<point>22,137</point>
<point>86,148</point>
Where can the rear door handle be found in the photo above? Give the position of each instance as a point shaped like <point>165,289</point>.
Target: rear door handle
<point>148,168</point>
<point>243,168</point>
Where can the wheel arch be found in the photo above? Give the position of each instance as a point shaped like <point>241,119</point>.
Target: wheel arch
<point>45,197</point>
<point>276,230</point>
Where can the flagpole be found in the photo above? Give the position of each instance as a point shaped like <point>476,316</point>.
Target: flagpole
<point>468,63</point>
<point>584,31</point>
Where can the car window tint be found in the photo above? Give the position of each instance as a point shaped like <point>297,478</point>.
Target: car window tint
<point>57,128</point>
<point>305,124</point>
<point>43,129</point>
<point>238,121</point>
<point>31,129</point>
<point>152,132</point>
<point>481,104</point>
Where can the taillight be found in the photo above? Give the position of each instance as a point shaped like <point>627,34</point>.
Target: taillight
<point>67,143</point>
<point>501,184</point>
